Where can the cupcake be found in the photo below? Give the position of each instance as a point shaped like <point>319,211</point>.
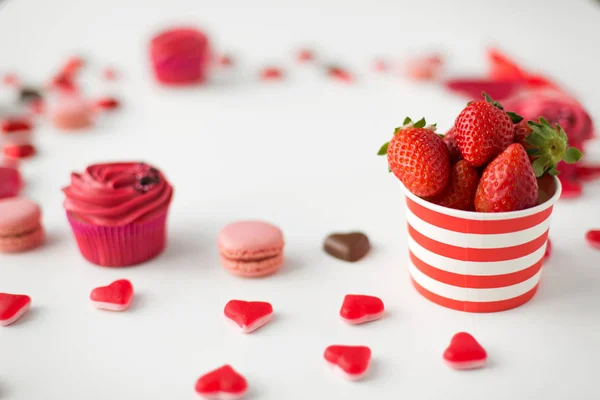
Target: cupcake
<point>118,212</point>
<point>180,56</point>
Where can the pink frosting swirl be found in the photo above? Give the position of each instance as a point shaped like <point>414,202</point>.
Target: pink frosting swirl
<point>117,194</point>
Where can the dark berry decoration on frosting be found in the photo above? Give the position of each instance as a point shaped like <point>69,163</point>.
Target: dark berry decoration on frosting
<point>146,178</point>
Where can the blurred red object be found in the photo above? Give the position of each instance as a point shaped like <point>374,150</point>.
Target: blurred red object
<point>225,60</point>
<point>107,103</point>
<point>424,68</point>
<point>11,125</point>
<point>472,88</point>
<point>340,74</point>
<point>271,73</point>
<point>109,74</point>
<point>10,79</point>
<point>380,65</point>
<point>10,182</point>
<point>305,55</point>
<point>19,151</point>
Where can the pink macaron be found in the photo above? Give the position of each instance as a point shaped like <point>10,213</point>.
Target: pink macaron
<point>71,113</point>
<point>251,249</point>
<point>20,225</point>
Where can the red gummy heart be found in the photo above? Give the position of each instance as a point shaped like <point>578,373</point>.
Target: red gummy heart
<point>115,297</point>
<point>357,309</point>
<point>13,307</point>
<point>465,352</point>
<point>222,383</point>
<point>593,238</point>
<point>249,315</point>
<point>352,361</point>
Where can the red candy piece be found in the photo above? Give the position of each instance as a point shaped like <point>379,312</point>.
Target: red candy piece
<point>593,238</point>
<point>570,189</point>
<point>107,103</point>
<point>503,68</point>
<point>351,361</point>
<point>72,66</point>
<point>249,315</point>
<point>13,307</point>
<point>340,74</point>
<point>15,125</point>
<point>63,82</point>
<point>10,182</point>
<point>19,151</point>
<point>222,384</point>
<point>358,309</point>
<point>115,297</point>
<point>381,65</point>
<point>225,61</point>
<point>548,251</point>
<point>305,55</point>
<point>109,74</point>
<point>10,80</point>
<point>465,352</point>
<point>271,73</point>
<point>472,88</point>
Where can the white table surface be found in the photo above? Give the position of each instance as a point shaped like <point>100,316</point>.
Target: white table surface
<point>301,154</point>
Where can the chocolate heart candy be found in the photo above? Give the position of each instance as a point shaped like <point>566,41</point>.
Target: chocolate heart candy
<point>347,246</point>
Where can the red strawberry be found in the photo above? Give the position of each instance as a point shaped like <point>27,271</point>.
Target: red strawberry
<point>450,140</point>
<point>508,183</point>
<point>484,130</point>
<point>460,193</point>
<point>419,158</point>
<point>522,130</point>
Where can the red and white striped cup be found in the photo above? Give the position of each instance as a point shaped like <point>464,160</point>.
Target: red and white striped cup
<point>477,262</point>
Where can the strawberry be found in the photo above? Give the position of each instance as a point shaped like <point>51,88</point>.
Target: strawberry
<point>450,140</point>
<point>508,183</point>
<point>460,193</point>
<point>522,130</point>
<point>547,146</point>
<point>419,158</point>
<point>483,130</point>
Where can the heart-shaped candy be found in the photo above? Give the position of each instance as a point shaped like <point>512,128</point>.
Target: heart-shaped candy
<point>593,238</point>
<point>347,246</point>
<point>222,384</point>
<point>358,309</point>
<point>351,361</point>
<point>249,315</point>
<point>13,307</point>
<point>115,297</point>
<point>465,352</point>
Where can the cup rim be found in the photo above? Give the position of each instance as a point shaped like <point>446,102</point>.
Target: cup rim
<point>474,215</point>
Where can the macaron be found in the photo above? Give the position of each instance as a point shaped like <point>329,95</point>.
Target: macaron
<point>71,112</point>
<point>20,225</point>
<point>10,182</point>
<point>251,249</point>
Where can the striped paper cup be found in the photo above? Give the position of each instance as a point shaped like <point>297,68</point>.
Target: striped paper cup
<point>478,262</point>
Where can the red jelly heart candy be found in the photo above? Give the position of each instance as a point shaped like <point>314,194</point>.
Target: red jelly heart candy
<point>271,73</point>
<point>249,315</point>
<point>357,309</point>
<point>19,151</point>
<point>13,307</point>
<point>107,103</point>
<point>222,384</point>
<point>115,297</point>
<point>593,238</point>
<point>351,361</point>
<point>465,352</point>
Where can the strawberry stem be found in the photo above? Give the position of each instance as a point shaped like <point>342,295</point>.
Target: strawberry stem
<point>549,146</point>
<point>514,117</point>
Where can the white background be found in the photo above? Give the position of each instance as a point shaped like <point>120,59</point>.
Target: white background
<point>301,154</point>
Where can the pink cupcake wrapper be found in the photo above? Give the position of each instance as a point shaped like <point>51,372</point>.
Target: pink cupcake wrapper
<point>120,246</point>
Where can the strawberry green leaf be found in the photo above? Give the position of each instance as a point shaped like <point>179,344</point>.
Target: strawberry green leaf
<point>572,155</point>
<point>539,165</point>
<point>407,120</point>
<point>489,100</point>
<point>535,139</point>
<point>383,150</point>
<point>514,117</point>
<point>396,130</point>
<point>553,171</point>
<point>441,135</point>
<point>533,152</point>
<point>420,123</point>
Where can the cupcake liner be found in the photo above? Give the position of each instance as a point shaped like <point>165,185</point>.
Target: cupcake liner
<point>120,246</point>
<point>477,262</point>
